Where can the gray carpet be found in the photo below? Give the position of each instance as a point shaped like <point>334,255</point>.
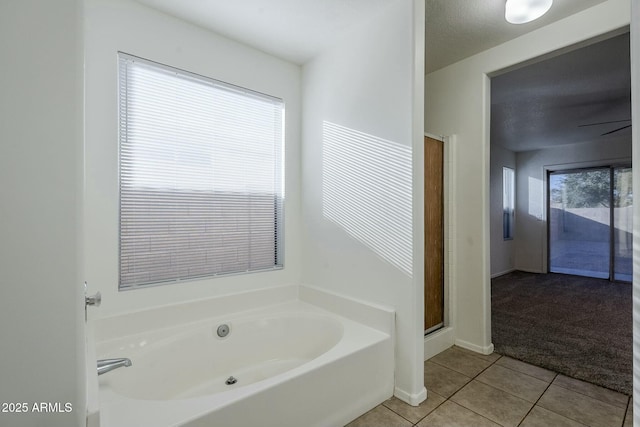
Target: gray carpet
<point>577,326</point>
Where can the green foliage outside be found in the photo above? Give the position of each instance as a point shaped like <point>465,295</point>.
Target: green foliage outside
<point>590,189</point>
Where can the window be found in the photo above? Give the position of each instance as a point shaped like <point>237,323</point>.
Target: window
<point>508,202</point>
<point>201,176</point>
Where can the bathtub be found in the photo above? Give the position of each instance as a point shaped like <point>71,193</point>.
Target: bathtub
<point>291,363</point>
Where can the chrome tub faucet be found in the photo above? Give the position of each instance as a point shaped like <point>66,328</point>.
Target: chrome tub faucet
<point>106,365</point>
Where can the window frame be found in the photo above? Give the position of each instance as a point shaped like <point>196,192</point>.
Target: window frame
<point>279,181</point>
<point>508,203</point>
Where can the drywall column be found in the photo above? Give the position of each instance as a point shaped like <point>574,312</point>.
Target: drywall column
<point>635,132</point>
<point>41,295</point>
<point>361,127</point>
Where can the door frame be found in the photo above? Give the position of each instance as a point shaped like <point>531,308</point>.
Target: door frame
<point>610,165</point>
<point>436,148</point>
<point>445,337</point>
<point>547,169</point>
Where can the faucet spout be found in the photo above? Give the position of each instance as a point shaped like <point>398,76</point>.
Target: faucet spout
<point>107,365</point>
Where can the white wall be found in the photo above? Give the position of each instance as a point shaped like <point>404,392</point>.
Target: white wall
<point>371,82</point>
<point>531,199</point>
<point>362,134</point>
<point>124,25</point>
<point>457,103</point>
<point>502,251</point>
<point>41,299</point>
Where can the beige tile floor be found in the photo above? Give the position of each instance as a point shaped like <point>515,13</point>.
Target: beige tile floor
<point>470,389</point>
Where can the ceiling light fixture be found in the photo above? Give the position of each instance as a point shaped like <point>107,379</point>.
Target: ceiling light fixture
<point>523,11</point>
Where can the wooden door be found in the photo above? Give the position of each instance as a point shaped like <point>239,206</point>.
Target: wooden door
<point>434,234</point>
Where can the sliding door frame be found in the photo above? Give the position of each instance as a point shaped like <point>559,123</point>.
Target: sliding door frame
<point>558,169</point>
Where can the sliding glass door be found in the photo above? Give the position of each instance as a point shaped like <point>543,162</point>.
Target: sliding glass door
<point>579,222</point>
<point>590,222</point>
<point>622,225</point>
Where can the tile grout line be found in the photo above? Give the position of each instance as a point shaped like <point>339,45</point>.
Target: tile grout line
<point>551,382</point>
<point>490,365</point>
<point>447,367</point>
<point>401,416</point>
<point>417,422</point>
<point>591,397</point>
<point>538,400</point>
<point>511,394</point>
<point>567,388</point>
<point>529,375</point>
<point>475,357</point>
<point>483,357</point>
<point>573,391</point>
<point>448,399</point>
<point>472,379</point>
<point>478,414</point>
<point>556,374</point>
<point>626,411</point>
<point>495,362</point>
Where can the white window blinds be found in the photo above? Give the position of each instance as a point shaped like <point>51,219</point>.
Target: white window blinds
<point>201,176</point>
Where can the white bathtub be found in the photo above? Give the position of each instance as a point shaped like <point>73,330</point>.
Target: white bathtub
<point>295,364</point>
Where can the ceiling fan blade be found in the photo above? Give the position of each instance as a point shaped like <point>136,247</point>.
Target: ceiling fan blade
<point>604,123</point>
<point>616,130</point>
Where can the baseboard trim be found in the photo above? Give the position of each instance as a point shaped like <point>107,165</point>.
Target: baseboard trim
<point>438,341</point>
<point>502,273</point>
<point>413,399</point>
<point>474,347</point>
<point>530,270</point>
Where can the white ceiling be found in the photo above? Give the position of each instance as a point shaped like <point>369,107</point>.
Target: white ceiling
<point>544,104</point>
<point>295,30</point>
<point>540,105</point>
<point>457,29</point>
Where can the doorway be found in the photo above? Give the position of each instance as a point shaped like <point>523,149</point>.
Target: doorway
<point>434,234</point>
<point>590,222</point>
